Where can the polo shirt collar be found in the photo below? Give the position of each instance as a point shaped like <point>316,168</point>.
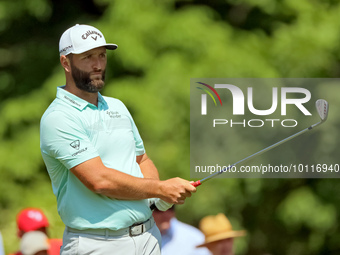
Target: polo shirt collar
<point>75,101</point>
<point>101,100</point>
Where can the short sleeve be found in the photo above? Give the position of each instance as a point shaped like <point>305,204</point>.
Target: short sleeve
<point>63,138</point>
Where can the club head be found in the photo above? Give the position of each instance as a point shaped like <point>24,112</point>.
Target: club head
<point>322,109</point>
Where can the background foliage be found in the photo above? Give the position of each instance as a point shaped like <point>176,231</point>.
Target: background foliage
<point>162,44</point>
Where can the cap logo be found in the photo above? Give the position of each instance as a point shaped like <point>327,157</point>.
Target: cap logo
<point>91,32</point>
<point>35,215</point>
<point>66,48</point>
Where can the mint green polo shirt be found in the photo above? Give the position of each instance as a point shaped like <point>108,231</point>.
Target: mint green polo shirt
<point>73,131</point>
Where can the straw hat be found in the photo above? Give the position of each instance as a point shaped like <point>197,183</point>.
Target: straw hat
<point>217,228</point>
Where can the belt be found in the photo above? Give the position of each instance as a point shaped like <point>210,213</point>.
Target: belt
<point>134,230</point>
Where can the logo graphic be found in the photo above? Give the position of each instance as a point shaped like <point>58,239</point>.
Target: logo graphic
<point>88,33</point>
<point>75,144</point>
<point>35,215</point>
<point>239,99</point>
<point>94,38</point>
<point>277,101</point>
<point>204,97</point>
<point>113,114</point>
<point>66,48</point>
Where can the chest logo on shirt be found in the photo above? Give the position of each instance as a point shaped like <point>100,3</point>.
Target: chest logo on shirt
<point>113,114</point>
<point>75,144</point>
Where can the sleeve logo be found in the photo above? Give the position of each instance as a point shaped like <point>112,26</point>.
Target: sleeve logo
<point>75,144</point>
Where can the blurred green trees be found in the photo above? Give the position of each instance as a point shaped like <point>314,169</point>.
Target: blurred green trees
<point>161,46</point>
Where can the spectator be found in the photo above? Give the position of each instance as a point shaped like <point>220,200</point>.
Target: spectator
<point>34,243</point>
<point>33,219</point>
<point>177,237</point>
<point>219,235</point>
<point>2,252</point>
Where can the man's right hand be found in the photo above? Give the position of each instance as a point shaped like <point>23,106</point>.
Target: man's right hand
<point>176,190</point>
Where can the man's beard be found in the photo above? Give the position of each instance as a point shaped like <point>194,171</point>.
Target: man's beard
<point>83,81</point>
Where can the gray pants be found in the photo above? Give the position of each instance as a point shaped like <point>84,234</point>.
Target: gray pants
<point>148,243</point>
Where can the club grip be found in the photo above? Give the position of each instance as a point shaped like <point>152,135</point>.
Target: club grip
<point>196,183</point>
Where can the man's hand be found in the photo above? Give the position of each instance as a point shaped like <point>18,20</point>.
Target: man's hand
<point>176,190</point>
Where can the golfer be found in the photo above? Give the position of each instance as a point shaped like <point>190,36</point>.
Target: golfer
<point>101,176</point>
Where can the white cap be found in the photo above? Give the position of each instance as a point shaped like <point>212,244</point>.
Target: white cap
<point>32,242</point>
<point>81,38</point>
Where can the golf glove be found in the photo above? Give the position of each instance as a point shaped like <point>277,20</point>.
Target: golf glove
<point>160,204</point>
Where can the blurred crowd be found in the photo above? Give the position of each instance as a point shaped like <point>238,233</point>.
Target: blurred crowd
<point>32,230</point>
<point>215,235</point>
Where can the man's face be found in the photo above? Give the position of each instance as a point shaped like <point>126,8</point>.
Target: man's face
<point>162,220</point>
<point>222,247</point>
<point>88,69</point>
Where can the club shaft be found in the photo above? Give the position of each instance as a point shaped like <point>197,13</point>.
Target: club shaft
<point>197,183</point>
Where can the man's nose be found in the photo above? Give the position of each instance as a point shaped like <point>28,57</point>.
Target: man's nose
<point>97,64</point>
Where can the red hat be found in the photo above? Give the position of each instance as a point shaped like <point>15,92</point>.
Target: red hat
<point>31,219</point>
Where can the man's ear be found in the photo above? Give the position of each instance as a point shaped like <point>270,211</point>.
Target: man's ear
<point>65,62</point>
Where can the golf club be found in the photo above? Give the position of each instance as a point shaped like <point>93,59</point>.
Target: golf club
<point>322,109</point>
